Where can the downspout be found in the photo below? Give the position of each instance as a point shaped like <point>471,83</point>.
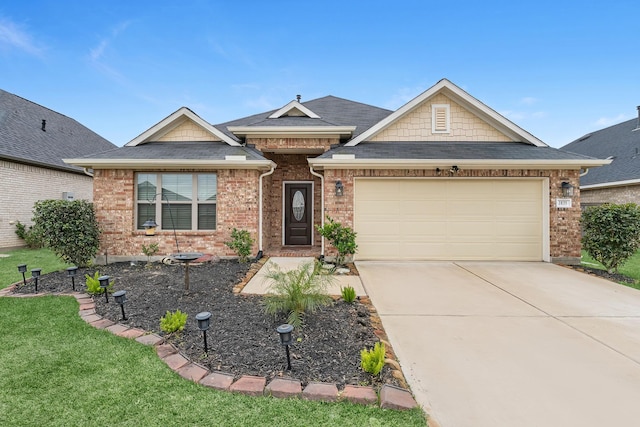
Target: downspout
<point>273,168</point>
<point>314,173</point>
<point>86,172</point>
<point>586,171</point>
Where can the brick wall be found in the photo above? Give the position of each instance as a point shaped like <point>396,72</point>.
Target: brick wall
<point>564,224</point>
<point>464,126</point>
<point>23,185</point>
<point>618,195</point>
<point>237,206</point>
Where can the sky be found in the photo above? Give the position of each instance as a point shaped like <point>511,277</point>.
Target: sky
<point>559,69</point>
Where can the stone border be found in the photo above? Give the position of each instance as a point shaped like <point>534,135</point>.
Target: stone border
<point>389,397</point>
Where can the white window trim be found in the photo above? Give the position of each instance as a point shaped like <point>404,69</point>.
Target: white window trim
<point>158,206</point>
<point>434,109</point>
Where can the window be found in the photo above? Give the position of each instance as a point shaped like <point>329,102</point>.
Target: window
<point>183,201</point>
<point>440,118</point>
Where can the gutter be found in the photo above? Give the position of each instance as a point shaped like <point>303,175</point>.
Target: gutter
<point>314,173</point>
<point>260,252</point>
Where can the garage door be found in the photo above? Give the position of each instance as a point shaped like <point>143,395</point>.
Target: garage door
<point>449,219</point>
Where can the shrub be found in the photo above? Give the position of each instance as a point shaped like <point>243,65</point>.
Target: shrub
<point>342,238</point>
<point>297,292</point>
<point>69,228</point>
<point>93,284</point>
<point>150,250</point>
<point>241,242</point>
<point>32,237</point>
<point>173,322</point>
<point>372,361</point>
<point>611,233</point>
<point>348,294</point>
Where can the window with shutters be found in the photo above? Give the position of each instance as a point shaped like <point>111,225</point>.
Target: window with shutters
<point>186,200</point>
<point>440,120</point>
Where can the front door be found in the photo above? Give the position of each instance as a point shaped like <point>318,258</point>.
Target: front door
<point>298,204</point>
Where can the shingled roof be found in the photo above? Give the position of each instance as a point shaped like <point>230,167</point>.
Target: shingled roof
<point>33,134</point>
<point>620,142</point>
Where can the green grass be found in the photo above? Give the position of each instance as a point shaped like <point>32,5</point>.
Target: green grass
<point>57,370</point>
<point>631,268</point>
<point>34,258</point>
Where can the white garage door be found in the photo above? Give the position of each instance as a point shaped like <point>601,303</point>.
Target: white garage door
<point>449,219</point>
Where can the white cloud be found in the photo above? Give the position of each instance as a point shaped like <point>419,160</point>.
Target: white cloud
<point>261,103</point>
<point>513,115</point>
<point>402,96</point>
<point>98,52</point>
<point>14,37</point>
<point>528,100</point>
<point>608,121</point>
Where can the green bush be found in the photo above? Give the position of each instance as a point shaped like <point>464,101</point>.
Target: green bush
<point>342,238</point>
<point>173,322</point>
<point>32,237</point>
<point>297,292</point>
<point>69,228</point>
<point>93,284</point>
<point>348,294</point>
<point>611,233</point>
<point>241,242</point>
<point>372,361</point>
<point>150,250</point>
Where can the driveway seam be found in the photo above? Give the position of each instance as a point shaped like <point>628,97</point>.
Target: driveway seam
<point>558,318</point>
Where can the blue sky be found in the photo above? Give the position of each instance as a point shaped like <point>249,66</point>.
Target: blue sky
<point>559,69</point>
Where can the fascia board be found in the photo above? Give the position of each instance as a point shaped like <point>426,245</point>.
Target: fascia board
<point>291,130</point>
<point>174,120</point>
<point>461,163</point>
<point>150,164</point>
<point>611,184</point>
<point>474,105</point>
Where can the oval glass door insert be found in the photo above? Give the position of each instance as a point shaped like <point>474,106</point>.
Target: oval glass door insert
<point>297,204</point>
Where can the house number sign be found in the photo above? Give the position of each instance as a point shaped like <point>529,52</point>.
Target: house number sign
<point>563,203</point>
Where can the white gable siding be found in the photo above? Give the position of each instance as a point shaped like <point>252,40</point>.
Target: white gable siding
<point>417,125</point>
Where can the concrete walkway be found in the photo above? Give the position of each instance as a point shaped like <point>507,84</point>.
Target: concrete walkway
<point>259,284</point>
<point>512,344</point>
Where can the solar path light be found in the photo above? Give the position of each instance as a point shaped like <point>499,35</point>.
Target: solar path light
<point>35,273</point>
<point>121,298</point>
<point>204,320</point>
<point>22,268</point>
<point>286,339</point>
<point>71,272</point>
<point>104,283</point>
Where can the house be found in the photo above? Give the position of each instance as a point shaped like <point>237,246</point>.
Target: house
<point>33,142</point>
<point>618,182</point>
<point>442,177</point>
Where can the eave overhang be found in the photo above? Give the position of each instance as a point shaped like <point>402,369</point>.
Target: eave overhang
<point>171,164</point>
<point>292,131</point>
<point>327,163</point>
<point>611,184</point>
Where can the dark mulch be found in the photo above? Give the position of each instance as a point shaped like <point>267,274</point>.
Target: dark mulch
<point>614,277</point>
<point>242,338</point>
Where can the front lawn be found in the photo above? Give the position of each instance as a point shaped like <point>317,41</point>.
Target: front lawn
<point>34,258</point>
<point>631,268</point>
<point>57,371</point>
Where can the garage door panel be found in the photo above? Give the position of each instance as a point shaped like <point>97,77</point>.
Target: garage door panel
<point>444,219</point>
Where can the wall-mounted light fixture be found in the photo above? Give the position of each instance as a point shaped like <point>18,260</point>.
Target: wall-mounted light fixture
<point>454,170</point>
<point>567,189</point>
<point>339,188</point>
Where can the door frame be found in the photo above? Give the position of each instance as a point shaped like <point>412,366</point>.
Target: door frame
<point>284,207</point>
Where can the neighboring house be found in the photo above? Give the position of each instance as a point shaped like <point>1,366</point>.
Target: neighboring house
<point>442,178</point>
<point>618,182</point>
<point>33,141</point>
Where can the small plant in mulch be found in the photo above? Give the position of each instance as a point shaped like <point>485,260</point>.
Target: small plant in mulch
<point>342,238</point>
<point>372,361</point>
<point>150,250</point>
<point>173,321</point>
<point>241,242</point>
<point>348,294</point>
<point>93,284</point>
<point>297,292</point>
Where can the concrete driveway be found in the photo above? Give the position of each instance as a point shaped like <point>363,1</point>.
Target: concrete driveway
<point>512,344</point>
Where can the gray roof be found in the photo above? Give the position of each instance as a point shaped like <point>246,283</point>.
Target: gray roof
<point>453,150</point>
<point>23,140</point>
<point>620,142</point>
<point>176,150</point>
<point>333,111</point>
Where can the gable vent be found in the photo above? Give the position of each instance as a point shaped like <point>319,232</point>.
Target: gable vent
<point>440,120</point>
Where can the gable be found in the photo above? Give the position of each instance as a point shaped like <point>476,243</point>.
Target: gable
<point>188,130</point>
<point>440,119</point>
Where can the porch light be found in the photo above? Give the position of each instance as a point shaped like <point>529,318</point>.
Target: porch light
<point>22,268</point>
<point>286,340</point>
<point>454,170</point>
<point>204,319</point>
<point>567,189</point>
<point>121,298</point>
<point>339,188</point>
<point>150,227</point>
<point>104,283</point>
<point>71,272</point>
<point>35,273</point>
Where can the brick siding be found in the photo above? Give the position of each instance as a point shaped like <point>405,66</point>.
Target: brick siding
<point>618,195</point>
<point>23,185</point>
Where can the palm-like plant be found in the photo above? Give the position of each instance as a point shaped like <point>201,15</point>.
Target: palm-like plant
<point>297,292</point>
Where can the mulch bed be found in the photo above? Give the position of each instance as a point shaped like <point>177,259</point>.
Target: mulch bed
<point>614,277</point>
<point>242,339</point>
